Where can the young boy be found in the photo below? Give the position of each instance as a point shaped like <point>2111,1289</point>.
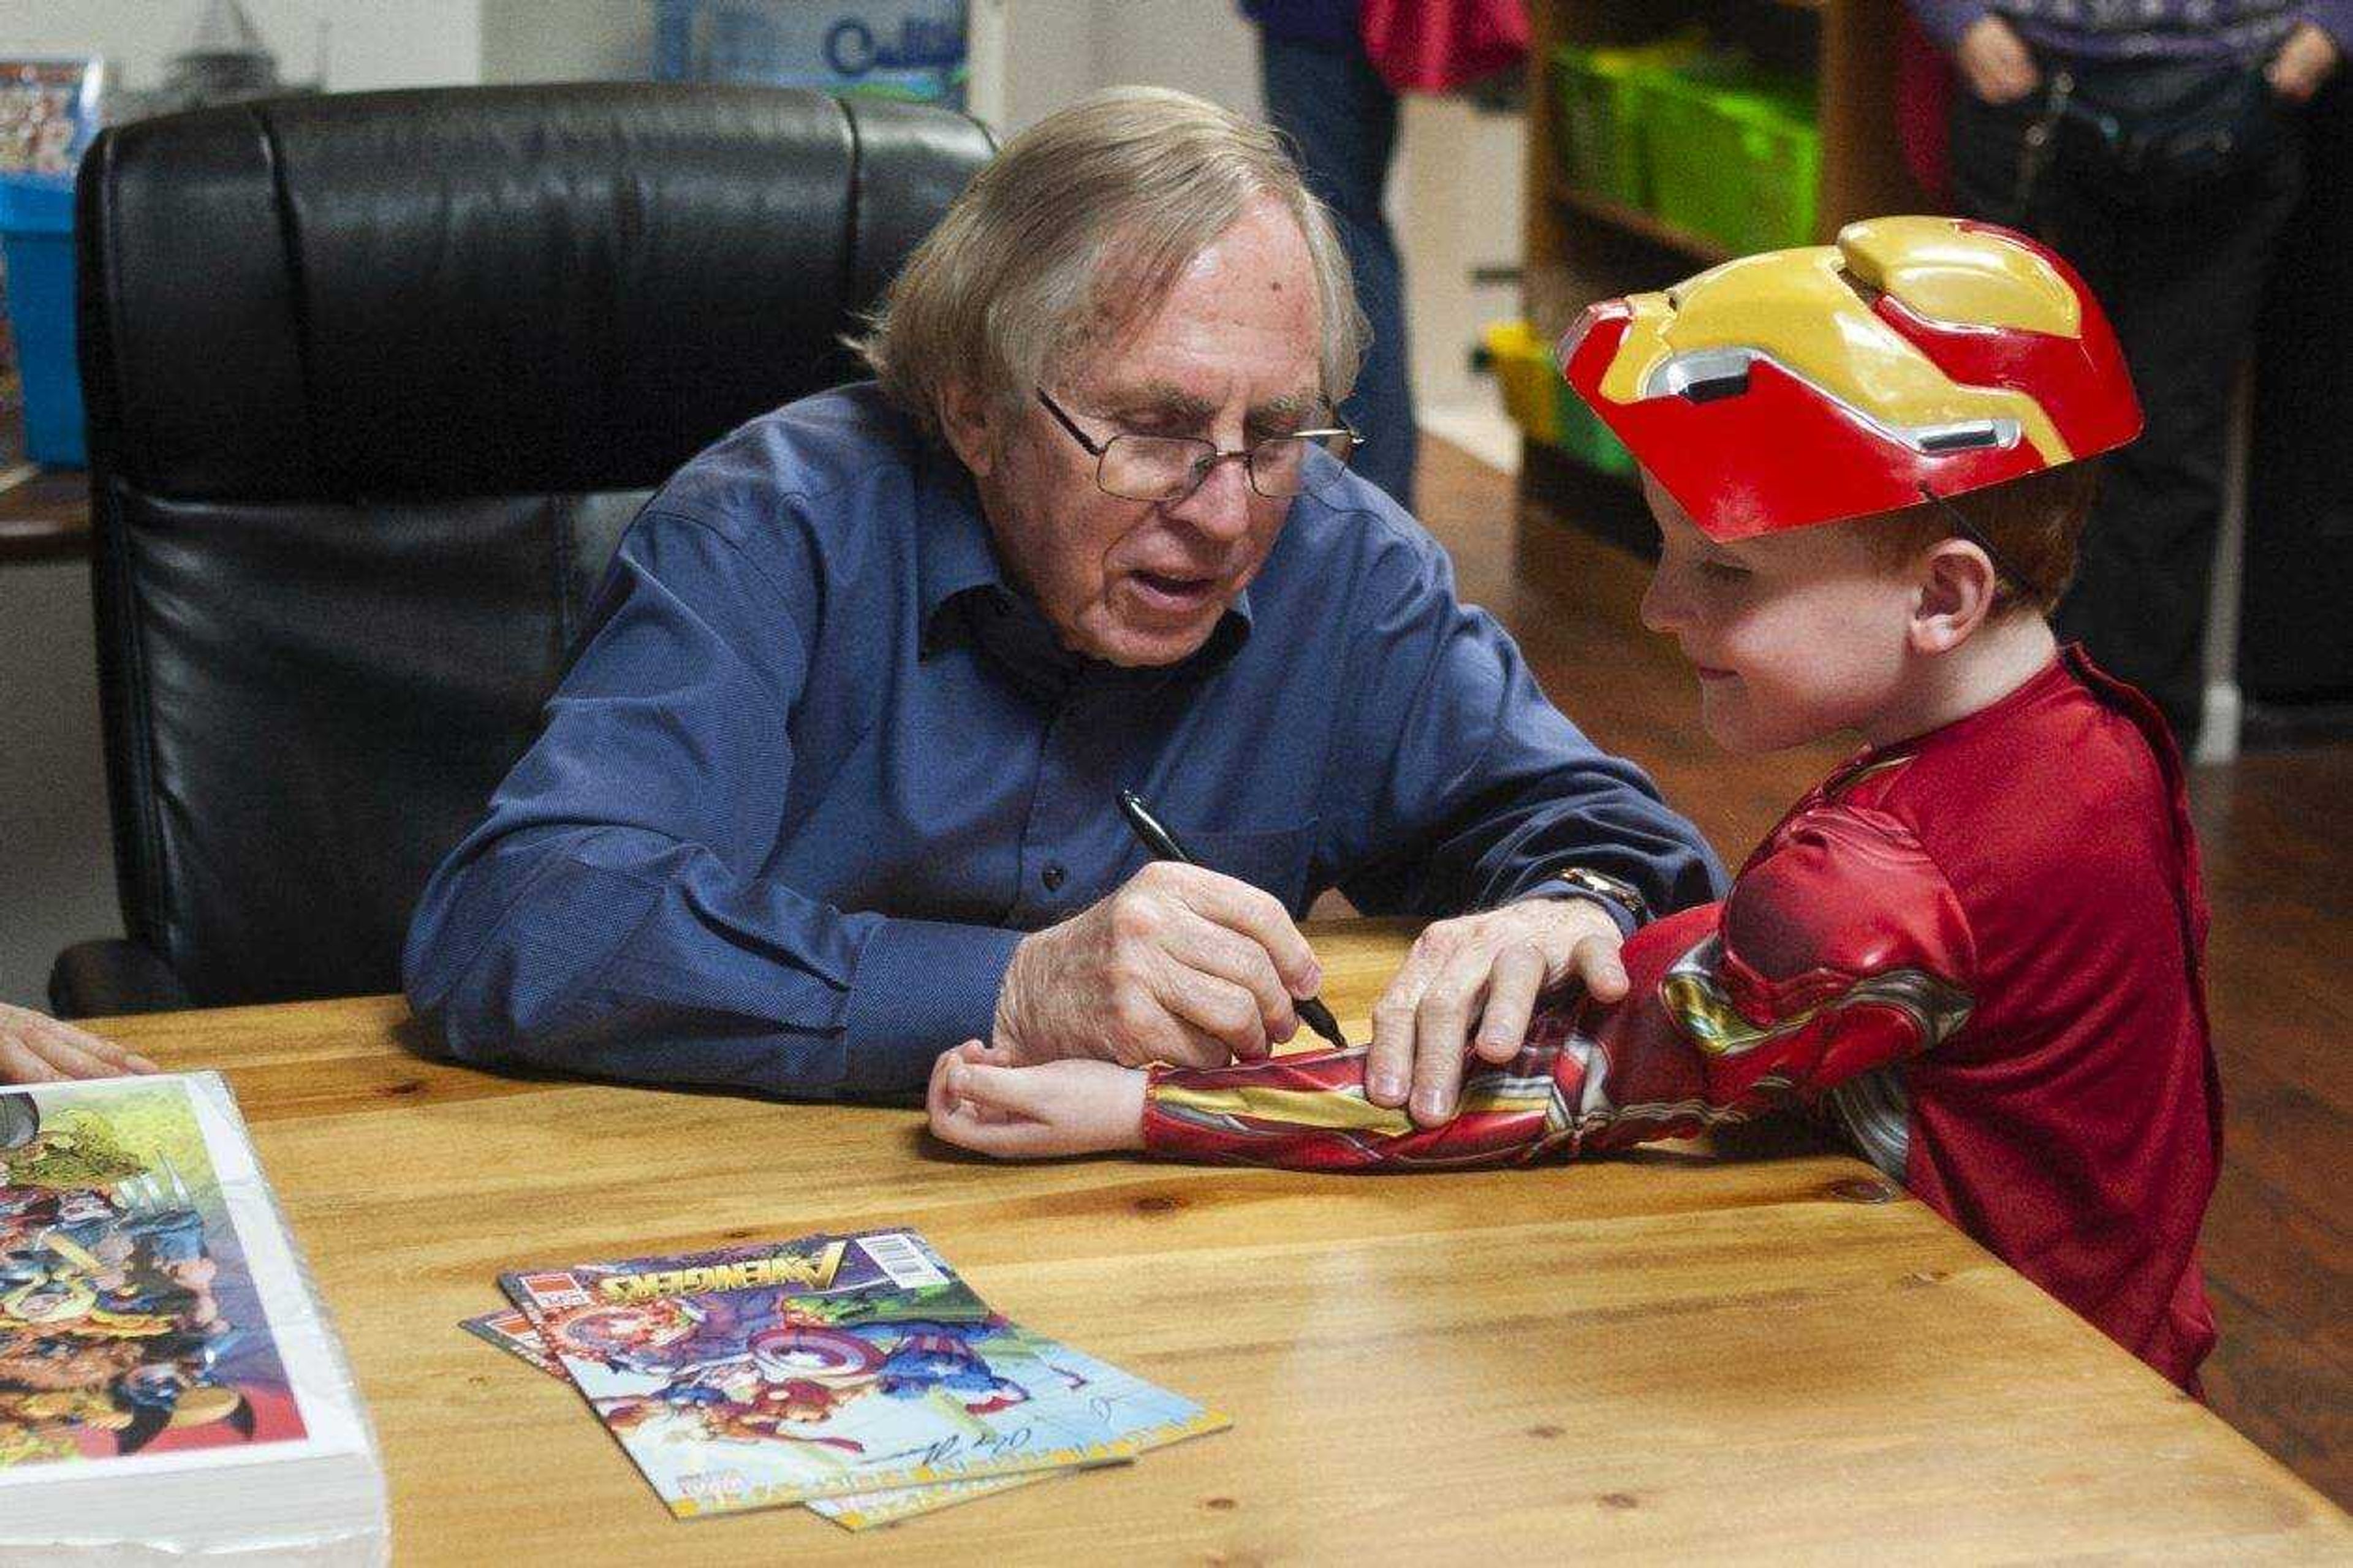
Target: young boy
<point>1979,945</point>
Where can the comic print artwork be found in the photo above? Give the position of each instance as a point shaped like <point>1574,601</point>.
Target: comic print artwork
<point>130,1322</point>
<point>510,1330</point>
<point>827,1366</point>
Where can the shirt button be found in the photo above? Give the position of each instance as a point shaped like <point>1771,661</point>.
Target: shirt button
<point>1053,876</point>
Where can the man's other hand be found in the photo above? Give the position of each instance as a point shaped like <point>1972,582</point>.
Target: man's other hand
<point>1182,964</point>
<point>1995,61</point>
<point>37,1048</point>
<point>1485,970</point>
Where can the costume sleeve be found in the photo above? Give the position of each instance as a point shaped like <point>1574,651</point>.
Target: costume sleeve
<point>1843,951</point>
<point>611,915</point>
<point>1461,787</point>
<point>1309,1112</point>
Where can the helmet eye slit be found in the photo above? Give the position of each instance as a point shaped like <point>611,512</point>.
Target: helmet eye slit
<point>1705,375</point>
<point>1864,291</point>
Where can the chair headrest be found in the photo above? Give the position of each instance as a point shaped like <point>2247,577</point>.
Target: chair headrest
<point>483,291</point>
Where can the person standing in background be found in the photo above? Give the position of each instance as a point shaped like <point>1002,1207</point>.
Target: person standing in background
<point>1322,92</point>
<point>2152,143</point>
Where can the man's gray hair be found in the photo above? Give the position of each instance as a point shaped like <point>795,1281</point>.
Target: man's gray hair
<point>1080,227</point>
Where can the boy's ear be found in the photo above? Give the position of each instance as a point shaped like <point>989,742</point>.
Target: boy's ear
<point>1955,592</point>
<point>967,419</point>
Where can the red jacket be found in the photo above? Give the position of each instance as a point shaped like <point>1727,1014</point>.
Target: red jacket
<point>1980,953</point>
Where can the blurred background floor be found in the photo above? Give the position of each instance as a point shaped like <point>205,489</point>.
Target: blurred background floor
<point>2279,874</point>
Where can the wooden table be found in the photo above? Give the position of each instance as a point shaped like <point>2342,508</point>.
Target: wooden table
<point>1671,1356</point>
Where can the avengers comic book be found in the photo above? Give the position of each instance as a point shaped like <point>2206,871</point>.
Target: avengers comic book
<point>830,1366</point>
<point>510,1330</point>
<point>152,1316</point>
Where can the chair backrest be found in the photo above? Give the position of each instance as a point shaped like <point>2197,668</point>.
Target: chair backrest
<point>373,384</point>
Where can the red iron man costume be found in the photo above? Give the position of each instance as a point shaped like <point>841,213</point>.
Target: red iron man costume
<point>1979,953</point>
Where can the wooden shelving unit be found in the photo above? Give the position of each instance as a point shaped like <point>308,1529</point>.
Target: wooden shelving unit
<point>1579,247</point>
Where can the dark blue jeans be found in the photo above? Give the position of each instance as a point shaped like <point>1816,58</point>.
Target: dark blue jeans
<point>1342,119</point>
<point>2181,281</point>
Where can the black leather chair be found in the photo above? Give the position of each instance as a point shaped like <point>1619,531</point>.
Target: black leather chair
<point>373,384</point>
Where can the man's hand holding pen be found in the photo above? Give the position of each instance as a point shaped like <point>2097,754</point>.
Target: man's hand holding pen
<point>1187,966</point>
<point>1181,964</point>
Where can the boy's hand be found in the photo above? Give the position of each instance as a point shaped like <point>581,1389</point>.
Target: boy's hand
<point>1486,968</point>
<point>1995,61</point>
<point>37,1048</point>
<point>979,1100</point>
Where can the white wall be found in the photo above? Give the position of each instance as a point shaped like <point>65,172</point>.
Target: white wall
<point>1455,200</point>
<point>567,40</point>
<point>1204,49</point>
<point>351,44</point>
<point>57,881</point>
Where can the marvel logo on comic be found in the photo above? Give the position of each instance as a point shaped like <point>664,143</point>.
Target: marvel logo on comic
<point>560,1290</point>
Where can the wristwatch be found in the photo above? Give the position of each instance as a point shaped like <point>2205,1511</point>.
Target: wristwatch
<point>1608,890</point>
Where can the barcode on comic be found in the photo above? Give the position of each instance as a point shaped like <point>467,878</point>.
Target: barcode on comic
<point>902,1257</point>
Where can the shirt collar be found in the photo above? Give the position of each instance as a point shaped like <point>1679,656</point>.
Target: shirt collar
<point>954,552</point>
<point>955,556</point>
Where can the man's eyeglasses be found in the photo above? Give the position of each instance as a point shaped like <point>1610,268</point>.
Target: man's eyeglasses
<point>1170,467</point>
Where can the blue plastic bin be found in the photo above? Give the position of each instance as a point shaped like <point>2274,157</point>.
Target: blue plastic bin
<point>36,234</point>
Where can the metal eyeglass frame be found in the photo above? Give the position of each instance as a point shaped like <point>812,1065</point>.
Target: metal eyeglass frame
<point>1202,467</point>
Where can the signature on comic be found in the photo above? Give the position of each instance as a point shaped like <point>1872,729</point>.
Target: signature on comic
<point>958,1450</point>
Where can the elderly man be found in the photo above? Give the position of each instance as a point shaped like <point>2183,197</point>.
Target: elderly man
<point>832,783</point>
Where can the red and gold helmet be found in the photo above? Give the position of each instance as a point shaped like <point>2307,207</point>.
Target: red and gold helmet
<point>1802,386</point>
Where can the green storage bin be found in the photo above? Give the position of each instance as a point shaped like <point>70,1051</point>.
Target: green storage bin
<point>1543,405</point>
<point>1520,365</point>
<point>1734,156</point>
<point>1584,437</point>
<point>1600,124</point>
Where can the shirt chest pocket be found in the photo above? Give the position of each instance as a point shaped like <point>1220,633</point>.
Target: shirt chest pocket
<point>1273,858</point>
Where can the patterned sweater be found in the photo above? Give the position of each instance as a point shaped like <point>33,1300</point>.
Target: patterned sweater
<point>2120,29</point>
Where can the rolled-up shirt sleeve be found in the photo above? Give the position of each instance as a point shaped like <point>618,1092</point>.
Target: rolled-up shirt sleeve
<point>611,916</point>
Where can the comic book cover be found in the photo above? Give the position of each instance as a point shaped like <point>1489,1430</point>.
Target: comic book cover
<point>828,1366</point>
<point>151,1315</point>
<point>511,1331</point>
<point>49,114</point>
<point>865,1510</point>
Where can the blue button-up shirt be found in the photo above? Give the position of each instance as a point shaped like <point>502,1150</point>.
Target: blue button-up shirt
<point>817,766</point>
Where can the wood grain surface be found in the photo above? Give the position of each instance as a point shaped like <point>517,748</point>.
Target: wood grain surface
<point>1683,1355</point>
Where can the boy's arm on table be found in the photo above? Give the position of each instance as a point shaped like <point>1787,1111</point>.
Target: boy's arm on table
<point>1841,950</point>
